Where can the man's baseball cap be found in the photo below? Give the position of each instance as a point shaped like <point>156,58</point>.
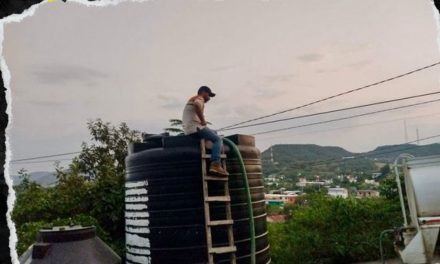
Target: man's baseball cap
<point>206,89</point>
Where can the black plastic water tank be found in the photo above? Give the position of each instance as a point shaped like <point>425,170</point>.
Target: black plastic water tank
<point>69,245</point>
<point>164,202</point>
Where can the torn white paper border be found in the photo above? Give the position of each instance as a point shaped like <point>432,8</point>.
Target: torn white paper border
<point>7,77</point>
<point>11,194</point>
<point>437,21</point>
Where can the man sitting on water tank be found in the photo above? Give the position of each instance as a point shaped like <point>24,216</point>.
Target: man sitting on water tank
<point>194,124</point>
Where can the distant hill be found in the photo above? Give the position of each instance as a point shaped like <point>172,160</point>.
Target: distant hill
<point>295,160</point>
<point>288,153</point>
<point>45,178</point>
<point>389,153</point>
<point>285,153</point>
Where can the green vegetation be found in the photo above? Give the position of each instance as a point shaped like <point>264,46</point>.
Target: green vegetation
<point>334,164</point>
<point>325,230</point>
<point>175,126</point>
<point>319,229</point>
<point>389,153</point>
<point>89,192</point>
<point>287,153</point>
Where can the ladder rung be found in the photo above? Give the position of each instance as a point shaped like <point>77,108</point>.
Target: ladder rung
<point>218,199</point>
<point>208,156</point>
<point>221,222</point>
<point>221,250</point>
<point>216,178</point>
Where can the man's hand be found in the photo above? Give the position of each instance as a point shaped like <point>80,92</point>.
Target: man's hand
<point>204,123</point>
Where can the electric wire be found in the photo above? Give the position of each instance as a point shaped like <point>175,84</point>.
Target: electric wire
<point>40,161</point>
<point>336,110</point>
<point>47,156</point>
<point>345,118</point>
<point>291,118</point>
<point>356,126</point>
<point>335,96</point>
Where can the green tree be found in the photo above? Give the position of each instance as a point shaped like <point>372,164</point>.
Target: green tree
<point>103,161</point>
<point>90,191</point>
<point>333,230</point>
<point>385,170</point>
<point>175,126</point>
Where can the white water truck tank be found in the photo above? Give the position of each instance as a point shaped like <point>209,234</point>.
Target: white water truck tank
<point>424,174</point>
<point>422,183</point>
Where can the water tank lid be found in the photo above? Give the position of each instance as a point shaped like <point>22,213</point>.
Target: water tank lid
<point>244,140</point>
<point>60,234</point>
<point>152,137</point>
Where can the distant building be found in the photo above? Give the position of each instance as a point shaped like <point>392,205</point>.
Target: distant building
<point>329,181</point>
<point>371,182</point>
<point>376,174</point>
<point>280,199</point>
<point>351,178</point>
<point>367,193</point>
<point>303,182</point>
<point>338,192</point>
<point>276,218</point>
<point>296,192</point>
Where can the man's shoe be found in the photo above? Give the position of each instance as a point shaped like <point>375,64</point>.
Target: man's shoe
<point>217,169</point>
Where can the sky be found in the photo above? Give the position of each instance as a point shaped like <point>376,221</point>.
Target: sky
<point>139,62</point>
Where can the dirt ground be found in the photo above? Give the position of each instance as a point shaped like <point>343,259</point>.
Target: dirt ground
<point>394,261</point>
<point>388,261</point>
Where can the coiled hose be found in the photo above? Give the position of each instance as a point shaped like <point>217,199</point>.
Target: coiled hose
<point>237,153</point>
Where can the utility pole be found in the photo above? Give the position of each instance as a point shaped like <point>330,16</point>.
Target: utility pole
<point>418,138</point>
<point>271,155</point>
<point>406,130</point>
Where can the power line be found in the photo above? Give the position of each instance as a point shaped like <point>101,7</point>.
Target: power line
<point>345,118</point>
<point>334,111</point>
<point>360,125</point>
<point>279,120</point>
<point>40,161</point>
<point>48,156</point>
<point>334,96</point>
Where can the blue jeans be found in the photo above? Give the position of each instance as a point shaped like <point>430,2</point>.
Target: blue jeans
<point>216,140</point>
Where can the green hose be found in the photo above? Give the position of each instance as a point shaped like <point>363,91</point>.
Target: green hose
<point>382,257</point>
<point>237,153</point>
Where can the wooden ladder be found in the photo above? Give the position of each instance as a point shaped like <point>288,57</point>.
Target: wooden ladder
<point>228,222</point>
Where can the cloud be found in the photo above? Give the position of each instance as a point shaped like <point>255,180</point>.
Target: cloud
<point>310,57</point>
<point>223,68</point>
<point>268,93</point>
<point>279,78</point>
<point>358,64</point>
<point>47,103</point>
<point>321,70</point>
<point>247,110</point>
<point>170,102</point>
<point>269,86</point>
<point>355,48</point>
<point>60,74</point>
